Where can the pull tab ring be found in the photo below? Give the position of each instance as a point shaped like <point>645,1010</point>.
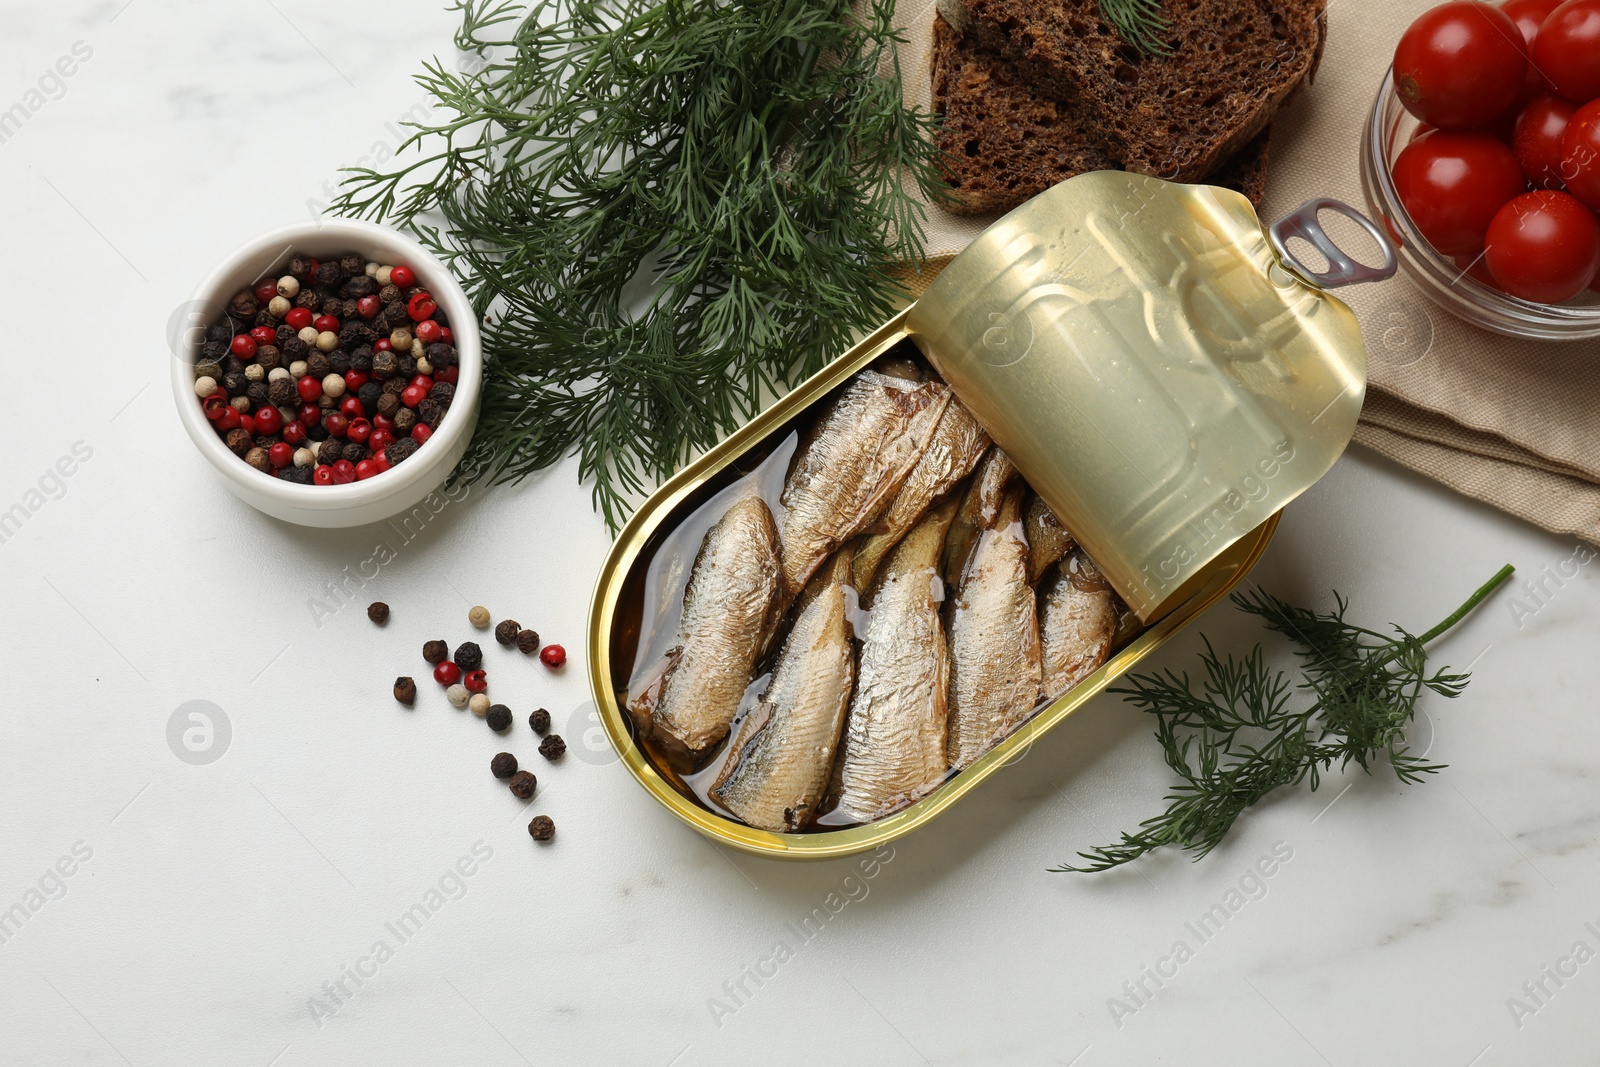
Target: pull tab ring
<point>1342,270</point>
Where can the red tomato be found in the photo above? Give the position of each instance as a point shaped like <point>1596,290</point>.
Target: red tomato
<point>1544,246</point>
<point>1452,184</point>
<point>1460,65</point>
<point>1537,141</point>
<point>1474,268</point>
<point>1529,15</point>
<point>1580,153</point>
<point>1568,49</point>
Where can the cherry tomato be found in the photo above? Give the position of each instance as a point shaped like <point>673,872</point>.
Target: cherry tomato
<point>1580,153</point>
<point>1568,49</point>
<point>1460,65</point>
<point>1529,15</point>
<point>1452,184</point>
<point>1537,141</point>
<point>1474,268</point>
<point>1544,246</point>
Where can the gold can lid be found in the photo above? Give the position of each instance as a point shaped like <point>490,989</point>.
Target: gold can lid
<point>1156,363</point>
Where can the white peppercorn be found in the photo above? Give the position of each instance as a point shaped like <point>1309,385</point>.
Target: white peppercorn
<point>381,275</point>
<point>204,386</point>
<point>279,306</point>
<point>289,286</point>
<point>479,616</point>
<point>333,385</point>
<point>308,334</point>
<point>297,369</point>
<point>458,696</point>
<point>277,374</point>
<point>304,457</point>
<point>254,372</point>
<point>327,340</point>
<point>479,703</point>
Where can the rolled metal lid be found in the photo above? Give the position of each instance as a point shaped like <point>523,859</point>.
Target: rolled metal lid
<point>1157,372</point>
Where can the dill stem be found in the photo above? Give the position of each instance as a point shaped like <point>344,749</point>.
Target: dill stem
<point>1500,578</point>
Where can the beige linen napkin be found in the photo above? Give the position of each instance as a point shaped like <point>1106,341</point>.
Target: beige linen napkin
<point>1512,423</point>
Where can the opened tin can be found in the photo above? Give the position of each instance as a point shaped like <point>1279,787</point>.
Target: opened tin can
<point>1161,369</point>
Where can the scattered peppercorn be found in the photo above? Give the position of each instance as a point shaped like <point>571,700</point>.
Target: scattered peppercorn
<point>478,704</point>
<point>475,681</point>
<point>542,828</point>
<point>405,690</point>
<point>435,651</point>
<point>447,673</point>
<point>523,784</point>
<point>539,721</point>
<point>469,657</point>
<point>552,747</point>
<point>553,656</point>
<point>528,642</point>
<point>507,631</point>
<point>479,616</point>
<point>457,695</point>
<point>498,718</point>
<point>503,765</point>
<point>378,612</point>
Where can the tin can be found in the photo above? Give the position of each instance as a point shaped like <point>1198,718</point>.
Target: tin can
<point>1161,369</point>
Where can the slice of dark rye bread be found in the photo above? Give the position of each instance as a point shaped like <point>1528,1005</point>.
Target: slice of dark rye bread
<point>1179,116</point>
<point>1004,141</point>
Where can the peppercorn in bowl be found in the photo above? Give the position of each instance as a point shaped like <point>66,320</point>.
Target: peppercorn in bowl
<point>330,373</point>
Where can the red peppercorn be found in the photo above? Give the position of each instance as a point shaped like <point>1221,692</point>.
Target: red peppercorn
<point>449,374</point>
<point>214,405</point>
<point>403,277</point>
<point>268,420</point>
<point>323,475</point>
<point>369,306</point>
<point>352,408</point>
<point>423,382</point>
<point>309,415</point>
<point>381,461</point>
<point>421,432</point>
<point>427,331</point>
<point>447,673</point>
<point>280,455</point>
<point>359,431</point>
<point>476,681</point>
<point>248,423</point>
<point>298,318</point>
<point>380,421</point>
<point>380,440</point>
<point>365,469</point>
<point>422,306</point>
<point>264,335</point>
<point>326,324</point>
<point>552,655</point>
<point>447,335</point>
<point>344,472</point>
<point>266,291</point>
<point>308,388</point>
<point>294,433</point>
<point>244,346</point>
<point>413,395</point>
<point>228,420</point>
<point>354,380</point>
<point>382,344</point>
<point>336,424</point>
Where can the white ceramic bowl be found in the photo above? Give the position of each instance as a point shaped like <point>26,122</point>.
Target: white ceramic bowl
<point>379,497</point>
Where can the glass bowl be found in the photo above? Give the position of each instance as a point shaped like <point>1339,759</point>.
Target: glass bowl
<point>1389,129</point>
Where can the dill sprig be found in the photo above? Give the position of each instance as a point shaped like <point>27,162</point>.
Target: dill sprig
<point>1238,738</point>
<point>1140,22</point>
<point>668,210</point>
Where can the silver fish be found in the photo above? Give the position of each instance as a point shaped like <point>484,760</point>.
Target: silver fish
<point>1077,622</point>
<point>994,639</point>
<point>894,741</point>
<point>855,461</point>
<point>978,511</point>
<point>957,445</point>
<point>1048,540</point>
<point>689,703</point>
<point>777,767</point>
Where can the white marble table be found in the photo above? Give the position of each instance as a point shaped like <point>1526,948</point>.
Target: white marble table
<point>227,913</point>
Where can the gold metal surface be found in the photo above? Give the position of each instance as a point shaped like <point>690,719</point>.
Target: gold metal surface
<point>1161,381</point>
<point>620,583</point>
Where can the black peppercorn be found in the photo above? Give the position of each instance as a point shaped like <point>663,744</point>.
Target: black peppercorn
<point>402,449</point>
<point>350,263</point>
<point>295,349</point>
<point>355,333</point>
<point>408,365</point>
<point>218,334</point>
<point>330,452</point>
<point>269,356</point>
<point>235,383</point>
<point>552,747</point>
<point>257,458</point>
<point>504,765</point>
<point>317,433</point>
<point>405,690</point>
<point>435,651</point>
<point>361,286</point>
<point>215,351</point>
<point>388,403</point>
<point>338,362</point>
<point>384,364</point>
<point>523,784</point>
<point>329,274</point>
<point>257,392</point>
<point>442,355</point>
<point>539,721</point>
<point>264,318</point>
<point>282,393</point>
<point>285,332</point>
<point>244,305</point>
<point>355,451</point>
<point>507,631</point>
<point>208,368</point>
<point>388,294</point>
<point>317,365</point>
<point>308,299</point>
<point>361,359</point>
<point>238,441</point>
<point>301,475</point>
<point>469,657</point>
<point>498,717</point>
<point>369,394</point>
<point>528,642</point>
<point>395,314</point>
<point>378,612</point>
<point>404,420</point>
<point>542,828</point>
<point>431,411</point>
<point>300,267</point>
<point>265,440</point>
<point>443,392</point>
